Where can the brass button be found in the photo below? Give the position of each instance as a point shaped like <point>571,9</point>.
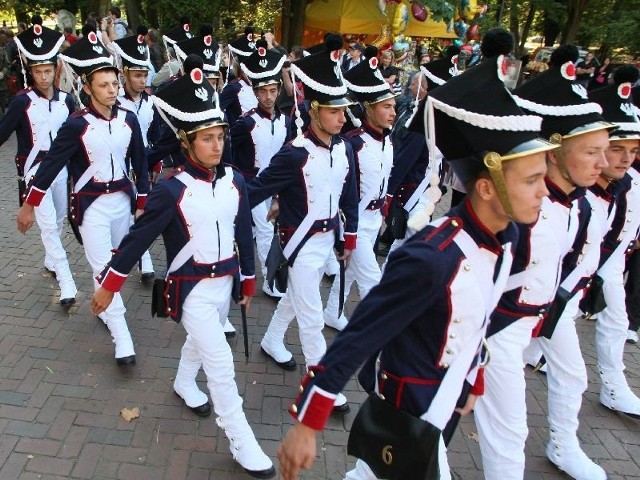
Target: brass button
<point>454,223</point>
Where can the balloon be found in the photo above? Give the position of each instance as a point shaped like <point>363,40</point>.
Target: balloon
<point>382,6</point>
<point>457,42</point>
<point>401,46</point>
<point>419,12</point>
<point>472,33</point>
<point>400,19</point>
<point>384,41</point>
<point>460,28</point>
<point>476,48</point>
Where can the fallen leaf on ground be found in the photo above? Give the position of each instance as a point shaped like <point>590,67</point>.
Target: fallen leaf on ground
<point>129,415</point>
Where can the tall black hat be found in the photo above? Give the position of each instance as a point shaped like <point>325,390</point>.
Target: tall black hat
<point>480,132</point>
<point>177,34</point>
<point>322,78</point>
<point>439,71</point>
<point>617,108</point>
<point>205,47</point>
<point>263,66</point>
<point>39,45</point>
<point>245,44</point>
<point>133,52</point>
<point>367,83</point>
<point>88,55</point>
<point>563,103</point>
<point>191,102</point>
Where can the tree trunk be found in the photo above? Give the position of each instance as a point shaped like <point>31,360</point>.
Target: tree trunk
<point>152,14</point>
<point>20,9</point>
<point>514,24</point>
<point>293,22</point>
<point>575,9</point>
<point>134,8</point>
<point>525,30</point>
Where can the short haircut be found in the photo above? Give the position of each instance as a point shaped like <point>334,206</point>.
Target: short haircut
<point>115,11</point>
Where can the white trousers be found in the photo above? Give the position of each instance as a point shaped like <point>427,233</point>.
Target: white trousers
<point>302,299</point>
<point>612,323</point>
<point>363,266</point>
<point>501,413</point>
<point>263,231</point>
<point>566,376</point>
<point>363,472</point>
<point>207,346</point>
<point>104,225</point>
<point>50,217</point>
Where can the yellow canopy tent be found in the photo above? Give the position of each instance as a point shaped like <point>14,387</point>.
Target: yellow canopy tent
<point>363,17</point>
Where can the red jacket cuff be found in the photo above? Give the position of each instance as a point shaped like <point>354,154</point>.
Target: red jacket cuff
<point>140,201</point>
<point>35,196</point>
<point>248,287</point>
<point>478,387</point>
<point>157,168</point>
<point>313,405</point>
<point>111,280</point>
<point>350,241</point>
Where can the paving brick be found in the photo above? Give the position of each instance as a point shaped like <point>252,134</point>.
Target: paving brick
<point>26,429</point>
<point>48,448</point>
<point>48,465</point>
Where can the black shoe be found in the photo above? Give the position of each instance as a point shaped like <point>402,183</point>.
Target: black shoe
<point>147,277</point>
<point>268,473</point>
<point>124,361</point>
<point>289,365</point>
<point>341,409</point>
<point>203,410</point>
<point>230,334</point>
<point>67,302</point>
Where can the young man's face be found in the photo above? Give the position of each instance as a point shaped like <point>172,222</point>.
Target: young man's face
<point>103,88</point>
<point>267,96</point>
<point>584,156</point>
<point>384,112</point>
<point>620,155</point>
<point>524,179</point>
<point>354,52</point>
<point>137,80</point>
<point>332,119</point>
<point>208,146</point>
<point>43,76</point>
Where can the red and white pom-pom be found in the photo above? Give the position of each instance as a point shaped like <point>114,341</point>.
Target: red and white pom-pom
<point>502,68</point>
<point>140,38</point>
<point>373,63</point>
<point>568,71</point>
<point>186,27</point>
<point>335,55</point>
<point>262,51</point>
<point>454,60</point>
<point>250,37</point>
<point>37,29</point>
<point>93,38</point>
<point>208,40</point>
<point>624,90</point>
<point>196,76</point>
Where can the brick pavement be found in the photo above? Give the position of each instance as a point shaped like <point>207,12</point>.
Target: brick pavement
<point>61,392</point>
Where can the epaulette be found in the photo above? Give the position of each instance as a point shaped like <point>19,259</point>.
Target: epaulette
<point>354,133</point>
<point>233,167</point>
<point>174,172</point>
<point>80,113</point>
<point>24,91</point>
<point>442,236</point>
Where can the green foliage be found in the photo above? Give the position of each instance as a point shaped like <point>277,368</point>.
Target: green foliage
<point>439,9</point>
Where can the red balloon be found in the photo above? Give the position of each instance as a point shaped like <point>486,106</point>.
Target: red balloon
<point>472,33</point>
<point>419,12</point>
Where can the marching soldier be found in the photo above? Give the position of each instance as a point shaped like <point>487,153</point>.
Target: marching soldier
<point>542,263</point>
<point>36,114</point>
<point>135,64</point>
<point>237,96</point>
<point>101,143</point>
<point>422,342</point>
<point>315,180</point>
<point>373,158</point>
<point>616,186</point>
<point>257,136</point>
<point>203,215</point>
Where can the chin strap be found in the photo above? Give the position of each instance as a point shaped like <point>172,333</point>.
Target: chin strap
<point>556,138</point>
<point>493,162</point>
